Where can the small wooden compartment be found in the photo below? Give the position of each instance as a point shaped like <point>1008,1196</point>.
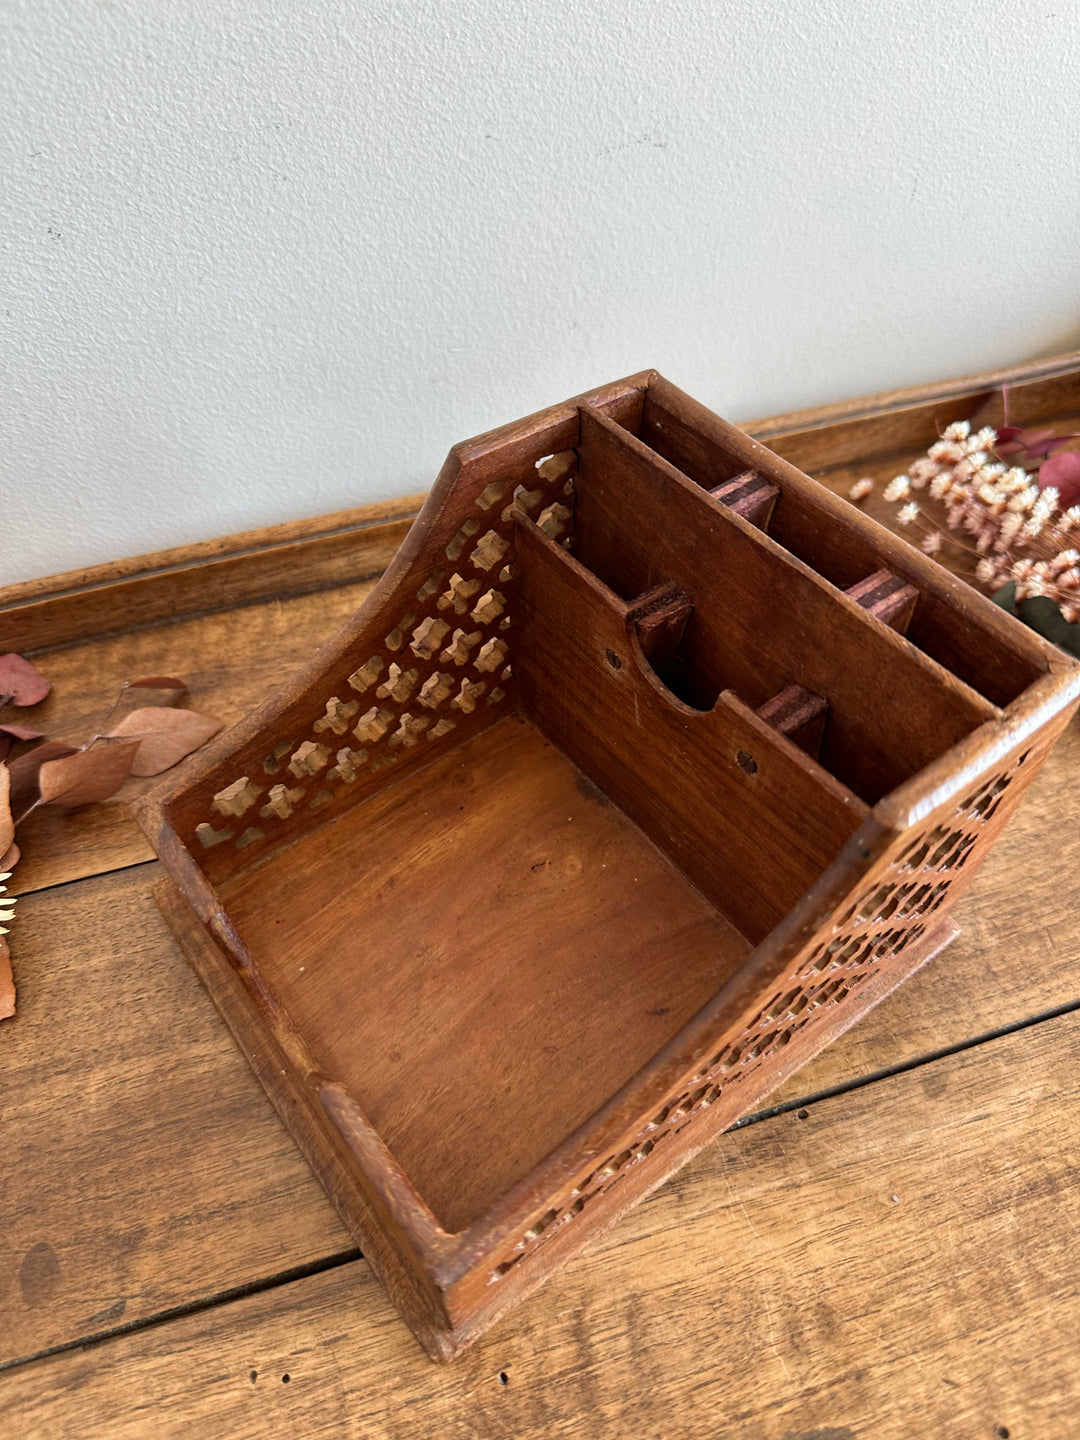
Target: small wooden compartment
<point>648,768</point>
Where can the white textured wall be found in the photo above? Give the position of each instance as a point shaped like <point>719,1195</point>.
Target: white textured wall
<point>268,258</point>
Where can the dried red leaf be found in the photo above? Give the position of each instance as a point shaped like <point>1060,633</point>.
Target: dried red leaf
<point>89,775</point>
<point>21,682</point>
<point>1063,473</point>
<point>25,770</point>
<point>7,824</point>
<point>10,733</point>
<point>21,732</point>
<point>166,736</point>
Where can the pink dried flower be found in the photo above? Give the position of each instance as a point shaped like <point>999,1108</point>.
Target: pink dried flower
<point>861,489</point>
<point>908,514</point>
<point>922,471</point>
<point>931,543</point>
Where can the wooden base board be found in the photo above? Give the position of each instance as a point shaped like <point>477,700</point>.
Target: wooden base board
<point>336,1169</point>
<point>524,950</point>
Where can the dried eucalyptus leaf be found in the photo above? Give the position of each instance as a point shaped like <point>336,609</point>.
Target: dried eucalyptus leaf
<point>88,775</point>
<point>165,736</point>
<point>21,732</point>
<point>10,733</point>
<point>1006,597</point>
<point>1062,472</point>
<point>7,824</point>
<point>20,680</point>
<point>25,771</point>
<point>7,981</point>
<point>1044,617</point>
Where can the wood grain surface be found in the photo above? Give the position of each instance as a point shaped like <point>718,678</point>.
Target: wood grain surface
<point>774,1289</point>
<point>143,1168</point>
<point>231,660</point>
<point>894,1261</point>
<point>161,1086</point>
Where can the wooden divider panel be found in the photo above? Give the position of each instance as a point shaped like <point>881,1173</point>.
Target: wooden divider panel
<point>758,833</point>
<point>993,658</point>
<point>762,621</point>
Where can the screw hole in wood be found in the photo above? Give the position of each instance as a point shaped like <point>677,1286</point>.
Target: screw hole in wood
<point>746,763</point>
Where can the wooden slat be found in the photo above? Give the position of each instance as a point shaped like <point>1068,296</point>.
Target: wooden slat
<point>161,1091</point>
<point>866,1270</point>
<point>876,426</point>
<point>231,660</point>
<point>143,1167</point>
<point>271,563</point>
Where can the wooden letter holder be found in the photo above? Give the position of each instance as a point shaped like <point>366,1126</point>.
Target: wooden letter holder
<point>648,767</point>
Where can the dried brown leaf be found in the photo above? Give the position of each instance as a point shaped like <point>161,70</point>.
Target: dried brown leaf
<point>20,682</point>
<point>7,982</point>
<point>21,732</point>
<point>24,775</point>
<point>165,736</point>
<point>10,858</point>
<point>7,824</point>
<point>91,774</point>
<point>10,733</point>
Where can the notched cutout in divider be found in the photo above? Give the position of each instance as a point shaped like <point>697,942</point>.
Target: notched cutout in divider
<point>659,619</point>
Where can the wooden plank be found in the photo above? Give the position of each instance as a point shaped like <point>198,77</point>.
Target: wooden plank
<point>144,1168</point>
<point>168,1096</point>
<point>231,660</point>
<point>271,563</point>
<point>876,426</point>
<point>865,1270</point>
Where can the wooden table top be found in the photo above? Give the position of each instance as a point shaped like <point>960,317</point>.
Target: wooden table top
<point>886,1251</point>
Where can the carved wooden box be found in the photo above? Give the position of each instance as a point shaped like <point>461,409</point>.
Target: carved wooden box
<point>648,767</point>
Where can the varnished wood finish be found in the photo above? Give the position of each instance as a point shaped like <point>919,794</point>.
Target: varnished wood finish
<point>231,660</point>
<point>272,563</point>
<point>602,952</point>
<point>567,574</point>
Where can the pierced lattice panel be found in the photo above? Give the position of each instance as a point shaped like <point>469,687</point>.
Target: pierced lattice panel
<point>444,660</point>
<point>893,909</point>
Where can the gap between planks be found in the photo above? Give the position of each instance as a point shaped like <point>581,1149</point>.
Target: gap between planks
<point>193,1307</point>
<point>825,1325</point>
<point>346,1257</point>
